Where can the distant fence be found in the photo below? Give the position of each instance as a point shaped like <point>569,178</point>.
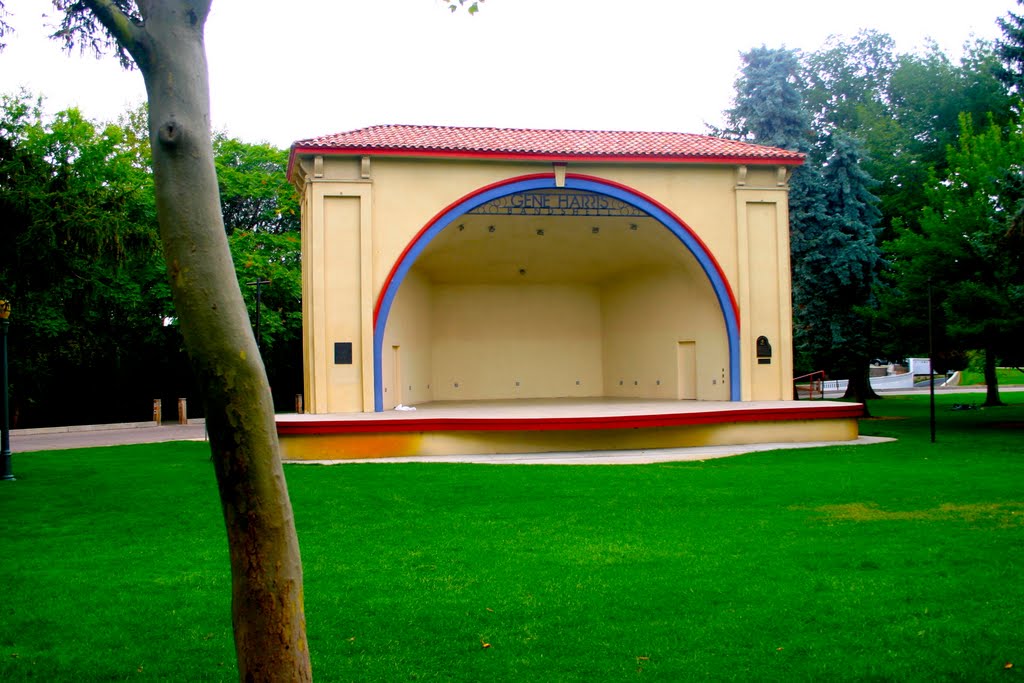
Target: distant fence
<point>901,381</point>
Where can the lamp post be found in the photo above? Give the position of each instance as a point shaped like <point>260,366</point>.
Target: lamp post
<point>931,366</point>
<point>5,426</point>
<point>259,282</point>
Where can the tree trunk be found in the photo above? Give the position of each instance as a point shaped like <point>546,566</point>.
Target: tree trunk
<point>991,379</point>
<point>859,386</point>
<point>266,570</point>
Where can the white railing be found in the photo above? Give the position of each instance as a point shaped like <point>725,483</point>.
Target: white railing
<point>902,381</point>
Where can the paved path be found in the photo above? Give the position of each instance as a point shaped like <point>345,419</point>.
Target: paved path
<point>23,441</point>
<point>27,441</point>
<point>94,435</point>
<point>972,389</point>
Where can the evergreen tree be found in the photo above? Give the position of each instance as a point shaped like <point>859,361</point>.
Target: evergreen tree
<point>832,215</point>
<point>1011,51</point>
<point>768,108</point>
<point>845,261</point>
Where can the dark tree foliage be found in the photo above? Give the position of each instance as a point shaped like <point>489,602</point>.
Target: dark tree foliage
<point>261,217</point>
<point>96,335</point>
<point>908,111</point>
<point>83,267</point>
<point>1010,50</point>
<point>832,214</point>
<point>847,82</point>
<point>903,107</point>
<point>848,261</point>
<point>274,257</point>
<point>255,194</point>
<point>768,106</point>
<point>969,249</point>
<point>928,94</point>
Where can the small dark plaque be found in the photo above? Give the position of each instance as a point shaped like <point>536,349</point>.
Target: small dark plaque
<point>343,353</point>
<point>764,351</point>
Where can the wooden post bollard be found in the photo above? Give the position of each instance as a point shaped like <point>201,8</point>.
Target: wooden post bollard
<point>157,412</point>
<point>298,404</point>
<point>182,411</point>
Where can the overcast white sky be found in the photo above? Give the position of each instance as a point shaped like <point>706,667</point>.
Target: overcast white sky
<point>283,71</point>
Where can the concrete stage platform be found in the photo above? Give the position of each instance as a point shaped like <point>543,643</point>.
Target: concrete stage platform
<point>560,425</point>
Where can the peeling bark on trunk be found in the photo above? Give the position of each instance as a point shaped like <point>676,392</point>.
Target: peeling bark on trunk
<point>266,569</point>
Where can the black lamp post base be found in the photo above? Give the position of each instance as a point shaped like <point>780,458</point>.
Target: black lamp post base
<point>5,467</point>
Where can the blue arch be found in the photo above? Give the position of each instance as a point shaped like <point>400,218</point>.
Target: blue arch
<point>723,294</point>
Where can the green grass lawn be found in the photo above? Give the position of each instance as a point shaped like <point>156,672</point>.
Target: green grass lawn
<point>1005,377</point>
<point>899,561</point>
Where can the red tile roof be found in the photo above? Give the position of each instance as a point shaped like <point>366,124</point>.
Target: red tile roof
<point>522,143</point>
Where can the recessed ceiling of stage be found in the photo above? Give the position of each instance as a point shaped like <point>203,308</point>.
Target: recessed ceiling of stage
<point>544,249</point>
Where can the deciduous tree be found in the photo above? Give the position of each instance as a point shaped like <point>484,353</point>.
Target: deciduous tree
<point>164,39</point>
<point>81,261</point>
<point>906,108</point>
<point>261,216</point>
<point>970,248</point>
<point>255,194</point>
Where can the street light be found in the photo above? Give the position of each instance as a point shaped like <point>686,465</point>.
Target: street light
<point>5,426</point>
<point>931,365</point>
<point>259,282</point>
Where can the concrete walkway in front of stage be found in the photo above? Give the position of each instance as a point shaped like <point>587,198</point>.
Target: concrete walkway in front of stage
<point>26,440</point>
<point>23,441</point>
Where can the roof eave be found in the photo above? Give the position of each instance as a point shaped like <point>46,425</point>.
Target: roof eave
<point>539,156</point>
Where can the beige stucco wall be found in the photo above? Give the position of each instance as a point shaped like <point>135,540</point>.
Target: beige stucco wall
<point>598,329</point>
<point>407,358</point>
<point>645,319</point>
<point>763,289</point>
<point>516,341</point>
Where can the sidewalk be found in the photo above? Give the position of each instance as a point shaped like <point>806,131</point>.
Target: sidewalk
<point>86,436</point>
<point>972,389</point>
<point>89,436</point>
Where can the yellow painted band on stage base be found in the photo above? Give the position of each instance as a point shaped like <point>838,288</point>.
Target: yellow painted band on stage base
<point>406,444</point>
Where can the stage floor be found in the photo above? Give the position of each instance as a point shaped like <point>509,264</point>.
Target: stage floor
<point>556,425</point>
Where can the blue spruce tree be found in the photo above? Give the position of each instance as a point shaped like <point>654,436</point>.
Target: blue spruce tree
<point>832,217</point>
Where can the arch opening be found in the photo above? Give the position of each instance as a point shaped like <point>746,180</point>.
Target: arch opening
<point>518,291</point>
